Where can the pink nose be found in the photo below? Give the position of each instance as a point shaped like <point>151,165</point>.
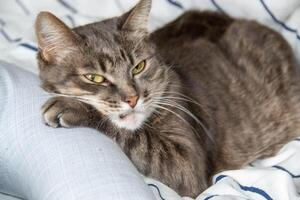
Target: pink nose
<point>132,100</point>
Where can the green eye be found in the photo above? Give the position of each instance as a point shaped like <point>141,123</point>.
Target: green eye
<point>95,78</point>
<point>139,68</point>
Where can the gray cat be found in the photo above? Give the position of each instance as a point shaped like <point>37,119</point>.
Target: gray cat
<point>202,94</point>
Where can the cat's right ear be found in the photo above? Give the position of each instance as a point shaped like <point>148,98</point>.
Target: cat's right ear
<point>55,39</point>
<point>136,19</point>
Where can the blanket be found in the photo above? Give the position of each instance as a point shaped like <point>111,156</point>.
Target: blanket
<point>273,178</point>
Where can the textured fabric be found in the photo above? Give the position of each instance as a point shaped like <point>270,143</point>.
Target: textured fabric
<point>18,45</point>
<point>277,177</point>
<point>41,163</point>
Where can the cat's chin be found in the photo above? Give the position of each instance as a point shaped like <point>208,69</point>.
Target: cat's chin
<point>130,121</point>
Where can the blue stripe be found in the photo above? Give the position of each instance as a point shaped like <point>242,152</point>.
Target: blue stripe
<point>28,46</point>
<point>71,19</point>
<point>286,27</point>
<point>68,6</point>
<point>7,37</point>
<point>10,195</point>
<point>283,169</point>
<point>249,189</point>
<point>220,178</point>
<point>176,3</point>
<point>159,193</point>
<point>210,197</point>
<point>217,6</point>
<point>298,139</point>
<point>2,23</point>
<point>257,191</point>
<point>23,7</point>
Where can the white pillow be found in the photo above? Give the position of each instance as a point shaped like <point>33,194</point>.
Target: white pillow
<point>41,163</point>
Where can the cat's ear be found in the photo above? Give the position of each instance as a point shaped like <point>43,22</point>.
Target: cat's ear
<point>55,39</point>
<point>137,17</point>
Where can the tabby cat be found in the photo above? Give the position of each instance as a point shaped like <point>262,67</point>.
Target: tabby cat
<point>202,94</point>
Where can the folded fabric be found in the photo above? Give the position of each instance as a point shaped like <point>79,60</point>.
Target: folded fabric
<point>274,178</point>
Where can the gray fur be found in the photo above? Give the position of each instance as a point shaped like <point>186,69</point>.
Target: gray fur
<point>219,92</point>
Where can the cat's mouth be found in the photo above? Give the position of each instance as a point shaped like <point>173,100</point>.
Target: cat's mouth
<point>123,116</point>
<point>131,118</point>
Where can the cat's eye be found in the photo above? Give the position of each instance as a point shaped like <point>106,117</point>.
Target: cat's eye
<point>95,78</point>
<point>139,68</point>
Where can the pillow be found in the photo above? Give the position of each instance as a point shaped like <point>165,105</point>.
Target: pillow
<point>41,163</point>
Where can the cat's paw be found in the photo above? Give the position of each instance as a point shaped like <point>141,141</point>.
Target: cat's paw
<point>64,112</point>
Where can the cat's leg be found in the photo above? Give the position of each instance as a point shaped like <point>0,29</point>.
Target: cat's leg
<point>172,156</point>
<point>67,112</point>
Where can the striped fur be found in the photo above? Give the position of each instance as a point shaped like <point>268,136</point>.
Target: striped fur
<point>224,92</point>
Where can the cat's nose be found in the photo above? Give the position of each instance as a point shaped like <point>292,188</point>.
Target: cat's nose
<point>132,100</point>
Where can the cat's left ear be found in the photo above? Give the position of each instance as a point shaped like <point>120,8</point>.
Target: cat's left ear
<point>137,17</point>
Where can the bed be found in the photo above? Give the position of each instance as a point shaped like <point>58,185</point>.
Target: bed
<point>273,178</point>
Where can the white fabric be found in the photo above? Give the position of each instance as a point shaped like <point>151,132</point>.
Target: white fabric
<point>17,18</point>
<point>17,43</point>
<point>275,178</point>
<point>41,163</point>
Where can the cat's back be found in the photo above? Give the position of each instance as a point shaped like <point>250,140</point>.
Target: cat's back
<point>248,82</point>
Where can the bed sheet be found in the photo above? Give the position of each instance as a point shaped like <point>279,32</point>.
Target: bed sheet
<point>273,178</point>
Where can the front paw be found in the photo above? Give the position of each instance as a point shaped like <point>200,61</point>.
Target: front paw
<point>64,112</point>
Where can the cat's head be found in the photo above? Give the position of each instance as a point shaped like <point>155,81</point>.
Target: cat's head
<point>111,65</point>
